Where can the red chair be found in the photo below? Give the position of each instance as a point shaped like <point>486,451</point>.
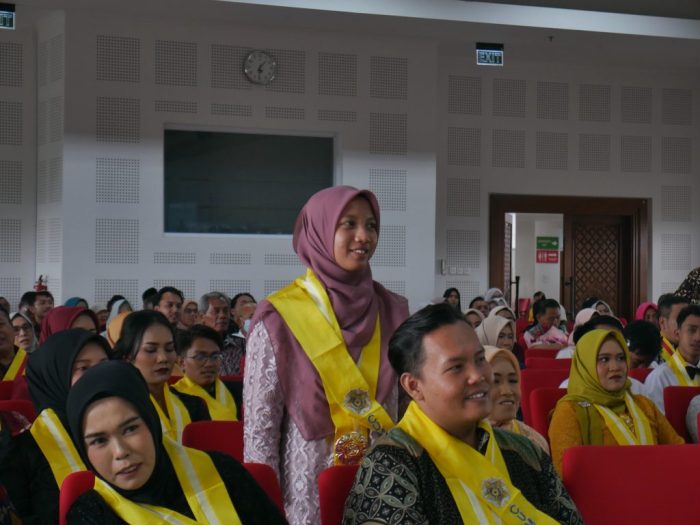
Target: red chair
<point>238,379</point>
<point>640,374</point>
<point>6,389</point>
<point>26,408</point>
<point>173,379</point>
<point>265,477</point>
<point>520,325</point>
<point>547,362</point>
<point>542,402</point>
<point>217,436</point>
<point>537,378</point>
<point>73,486</point>
<point>334,485</point>
<point>592,477</point>
<point>676,401</point>
<point>523,307</point>
<point>549,353</point>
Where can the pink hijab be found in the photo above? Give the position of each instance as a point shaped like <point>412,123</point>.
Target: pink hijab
<point>642,310</point>
<point>356,300</point>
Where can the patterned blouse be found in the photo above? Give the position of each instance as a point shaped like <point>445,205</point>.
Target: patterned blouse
<point>690,288</point>
<point>399,483</point>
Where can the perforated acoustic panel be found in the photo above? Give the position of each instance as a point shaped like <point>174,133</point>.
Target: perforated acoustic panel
<point>273,285</point>
<point>232,110</point>
<point>116,241</point>
<point>467,290</point>
<point>391,249</point>
<point>54,284</point>
<point>55,179</point>
<point>285,113</point>
<point>337,74</point>
<point>54,240</point>
<point>56,58</point>
<point>463,197</point>
<point>593,152</point>
<point>508,148</point>
<point>230,287</point>
<point>670,287</point>
<point>463,95</point>
<point>229,258</point>
<point>291,71</point>
<point>42,63</point>
<point>42,122</point>
<point>388,77</point>
<point>118,58</point>
<point>41,241</point>
<point>282,259</point>
<point>10,240</point>
<point>677,106</point>
<point>463,146</point>
<point>10,182</point>
<point>42,182</point>
<point>636,105</point>
<point>335,115</point>
<point>106,288</point>
<point>389,185</point>
<point>176,63</point>
<point>676,203</point>
<point>117,180</point>
<point>10,289</point>
<point>11,60</point>
<point>509,97</point>
<point>227,67</point>
<point>388,133</point>
<point>398,287</point>
<point>186,286</point>
<point>55,119</point>
<point>552,151</point>
<point>11,123</point>
<point>118,119</point>
<point>174,258</point>
<point>594,103</point>
<point>175,106</point>
<point>675,251</point>
<point>635,155</point>
<point>463,248</point>
<point>676,155</point>
<point>553,100</point>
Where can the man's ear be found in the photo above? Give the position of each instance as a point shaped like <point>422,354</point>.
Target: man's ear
<point>412,385</point>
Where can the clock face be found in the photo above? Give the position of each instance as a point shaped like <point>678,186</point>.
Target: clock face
<point>260,67</point>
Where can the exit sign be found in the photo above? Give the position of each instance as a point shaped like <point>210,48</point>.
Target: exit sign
<point>489,54</point>
<point>7,16</point>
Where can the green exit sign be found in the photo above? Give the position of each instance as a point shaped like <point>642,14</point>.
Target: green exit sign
<point>547,243</point>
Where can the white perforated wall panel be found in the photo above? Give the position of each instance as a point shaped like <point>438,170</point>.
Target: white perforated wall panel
<point>291,71</point>
<point>675,251</point>
<point>337,74</point>
<point>398,287</point>
<point>10,182</point>
<point>10,289</point>
<point>176,63</point>
<point>388,77</point>
<point>677,106</point>
<point>463,248</point>
<point>389,185</point>
<point>229,258</point>
<point>186,286</point>
<point>117,180</point>
<point>118,119</point>
<point>464,95</point>
<point>464,146</point>
<point>282,259</point>
<point>509,97</point>
<point>676,155</point>
<point>676,203</point>
<point>552,150</point>
<point>230,287</point>
<point>117,241</point>
<point>106,288</point>
<point>463,197</point>
<point>635,153</point>
<point>552,100</point>
<point>391,249</point>
<point>174,258</point>
<point>11,72</point>
<point>508,148</point>
<point>118,58</point>
<point>468,290</point>
<point>11,123</point>
<point>636,105</point>
<point>10,240</point>
<point>388,133</point>
<point>594,103</point>
<point>593,152</point>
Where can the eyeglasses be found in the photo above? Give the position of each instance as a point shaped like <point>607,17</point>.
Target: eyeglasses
<point>23,328</point>
<point>203,358</point>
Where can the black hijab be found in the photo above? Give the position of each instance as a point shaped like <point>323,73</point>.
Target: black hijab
<point>50,368</point>
<point>123,380</point>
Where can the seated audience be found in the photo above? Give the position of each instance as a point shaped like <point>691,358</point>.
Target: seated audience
<point>647,311</point>
<point>536,297</point>
<point>503,311</point>
<point>102,316</point>
<point>599,408</point>
<point>119,306</point>
<point>545,331</point>
<point>473,317</point>
<point>682,368</point>
<point>12,358</point>
<point>76,301</point>
<point>214,312</point>
<point>236,341</point>
<point>444,463</point>
<point>200,351</point>
<point>26,306</point>
<point>25,337</point>
<point>39,460</point>
<point>603,308</point>
<point>148,298</point>
<point>505,395</point>
<point>43,304</point>
<point>478,303</point>
<point>239,301</point>
<point>582,317</point>
<point>143,477</point>
<point>669,307</point>
<point>66,317</point>
<point>188,315</point>
<point>644,342</point>
<point>497,331</point>
<point>114,330</point>
<point>168,302</point>
<point>494,297</point>
<point>452,297</point>
<point>148,343</point>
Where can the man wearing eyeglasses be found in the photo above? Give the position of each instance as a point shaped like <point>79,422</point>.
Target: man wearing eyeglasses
<point>200,356</point>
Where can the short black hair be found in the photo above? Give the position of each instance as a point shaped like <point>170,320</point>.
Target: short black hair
<point>643,338</point>
<point>542,305</point>
<point>113,300</point>
<point>406,344</point>
<point>539,292</point>
<point>691,309</point>
<point>5,312</point>
<point>666,303</point>
<point>239,295</point>
<point>135,325</point>
<point>27,299</point>
<point>43,293</point>
<point>148,292</point>
<point>477,298</point>
<point>185,338</point>
<point>167,289</point>
<point>595,322</point>
<point>588,302</point>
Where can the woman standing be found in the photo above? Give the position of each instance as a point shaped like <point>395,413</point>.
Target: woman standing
<point>307,403</point>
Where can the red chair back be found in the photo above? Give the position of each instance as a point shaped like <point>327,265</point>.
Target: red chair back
<point>549,353</point>
<point>640,374</point>
<point>26,408</point>
<point>238,379</point>
<point>542,402</point>
<point>547,362</point>
<point>173,379</point>
<point>334,485</point>
<point>219,436</point>
<point>592,476</point>
<point>265,477</point>
<point>6,389</point>
<point>676,401</point>
<point>523,307</point>
<point>73,486</point>
<point>520,325</point>
<point>537,378</point>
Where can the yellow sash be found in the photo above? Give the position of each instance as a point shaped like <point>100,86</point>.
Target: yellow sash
<point>641,435</point>
<point>677,365</point>
<point>221,408</point>
<point>479,484</point>
<point>16,365</point>
<point>177,418</point>
<point>56,445</point>
<point>201,483</point>
<point>667,349</point>
<point>350,388</point>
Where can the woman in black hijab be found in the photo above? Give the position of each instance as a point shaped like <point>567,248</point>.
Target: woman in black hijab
<point>118,434</point>
<point>34,468</point>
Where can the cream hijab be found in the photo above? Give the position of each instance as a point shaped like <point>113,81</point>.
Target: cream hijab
<point>491,327</point>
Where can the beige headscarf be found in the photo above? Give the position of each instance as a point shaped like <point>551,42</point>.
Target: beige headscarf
<point>488,330</point>
<point>497,309</point>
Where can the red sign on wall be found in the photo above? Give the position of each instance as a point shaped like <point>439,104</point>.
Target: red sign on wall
<point>548,256</point>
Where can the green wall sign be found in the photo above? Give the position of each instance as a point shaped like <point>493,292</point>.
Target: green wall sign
<point>547,243</point>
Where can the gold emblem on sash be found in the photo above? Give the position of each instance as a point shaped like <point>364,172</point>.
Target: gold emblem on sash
<point>350,448</point>
<point>495,491</point>
<point>358,401</point>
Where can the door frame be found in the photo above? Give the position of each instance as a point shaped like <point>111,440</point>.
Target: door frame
<point>636,209</point>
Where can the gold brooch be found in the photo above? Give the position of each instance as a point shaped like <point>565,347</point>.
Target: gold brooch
<point>495,491</point>
<point>350,448</point>
<point>357,401</point>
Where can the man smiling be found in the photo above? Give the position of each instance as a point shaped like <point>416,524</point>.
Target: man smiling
<point>444,463</point>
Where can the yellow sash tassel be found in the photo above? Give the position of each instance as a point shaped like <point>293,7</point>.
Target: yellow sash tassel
<point>17,364</point>
<point>56,445</point>
<point>641,435</point>
<point>174,422</point>
<point>221,408</point>
<point>480,484</point>
<point>677,365</point>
